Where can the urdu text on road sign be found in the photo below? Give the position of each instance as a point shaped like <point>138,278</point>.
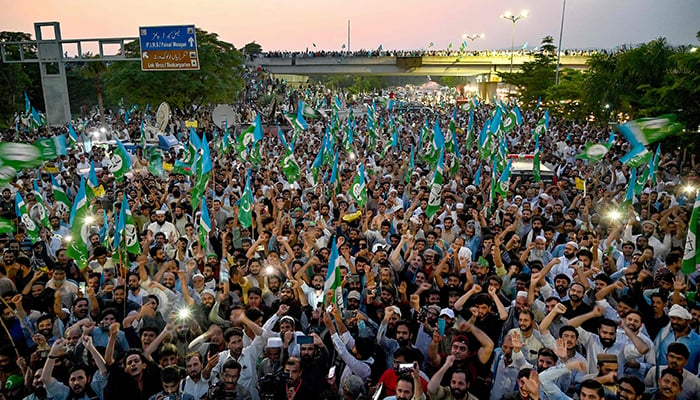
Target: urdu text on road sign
<point>168,48</point>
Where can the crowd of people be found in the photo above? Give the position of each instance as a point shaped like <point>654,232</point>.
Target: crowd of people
<point>539,293</point>
<point>450,52</point>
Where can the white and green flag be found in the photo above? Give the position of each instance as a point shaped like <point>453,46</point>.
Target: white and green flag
<point>691,256</point>
<point>204,225</point>
<point>120,163</point>
<point>77,248</point>
<point>41,206</point>
<point>245,205</point>
<point>23,215</point>
<point>645,131</point>
<point>61,204</point>
<point>333,278</point>
<point>435,198</point>
<point>358,190</point>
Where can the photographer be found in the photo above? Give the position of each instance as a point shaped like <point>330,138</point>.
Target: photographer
<point>170,379</point>
<point>228,387</point>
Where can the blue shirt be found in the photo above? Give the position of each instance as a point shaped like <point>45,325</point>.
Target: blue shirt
<point>691,341</point>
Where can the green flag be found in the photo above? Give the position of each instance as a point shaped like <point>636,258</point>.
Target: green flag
<point>23,215</point>
<point>358,190</point>
<point>245,206</point>
<point>6,226</point>
<point>43,212</point>
<point>691,256</point>
<point>290,167</point>
<point>198,189</point>
<point>120,162</point>
<point>536,162</point>
<point>435,198</point>
<point>77,247</point>
<point>61,203</point>
<point>204,225</point>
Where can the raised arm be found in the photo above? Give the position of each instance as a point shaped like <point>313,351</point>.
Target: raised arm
<point>434,383</point>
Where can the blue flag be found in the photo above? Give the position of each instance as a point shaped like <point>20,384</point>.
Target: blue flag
<point>258,131</point>
<point>477,177</point>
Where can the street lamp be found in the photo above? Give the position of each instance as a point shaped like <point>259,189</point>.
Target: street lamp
<point>473,37</point>
<point>513,18</point>
<point>561,33</point>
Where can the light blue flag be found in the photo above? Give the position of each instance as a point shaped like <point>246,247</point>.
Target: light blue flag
<point>611,139</point>
<point>438,137</point>
<point>127,117</point>
<point>334,172</point>
<point>206,157</point>
<point>27,103</point>
<point>92,175</point>
<point>204,224</point>
<point>300,121</point>
<point>282,139</point>
<point>119,226</point>
<point>518,115</point>
<point>71,134</point>
<point>477,177</point>
<point>80,199</point>
<point>333,279</point>
<point>195,140</point>
<point>496,121</point>
<point>629,195</point>
<point>36,117</point>
<point>104,228</point>
<point>258,131</point>
<point>390,104</point>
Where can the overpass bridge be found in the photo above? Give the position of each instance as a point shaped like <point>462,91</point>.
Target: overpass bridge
<point>466,65</point>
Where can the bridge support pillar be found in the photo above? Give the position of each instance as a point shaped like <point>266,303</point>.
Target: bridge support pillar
<point>487,90</point>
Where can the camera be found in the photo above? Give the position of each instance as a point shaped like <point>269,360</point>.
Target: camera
<point>270,384</point>
<point>347,314</point>
<point>217,392</point>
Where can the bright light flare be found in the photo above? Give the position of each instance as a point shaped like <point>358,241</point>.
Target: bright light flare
<point>614,215</point>
<point>352,156</point>
<point>269,270</point>
<point>184,313</point>
<point>67,238</point>
<point>690,189</point>
<point>89,219</point>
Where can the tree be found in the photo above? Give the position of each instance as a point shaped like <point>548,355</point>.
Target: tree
<point>95,71</point>
<point>535,76</point>
<point>566,98</point>
<point>217,81</point>
<point>252,49</point>
<point>16,79</point>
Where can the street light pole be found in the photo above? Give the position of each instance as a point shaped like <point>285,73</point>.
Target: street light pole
<point>561,33</point>
<point>513,19</point>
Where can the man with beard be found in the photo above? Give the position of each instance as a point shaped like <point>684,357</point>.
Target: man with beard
<point>561,287</point>
<point>575,306</point>
<point>392,323</point>
<point>181,219</point>
<point>486,320</point>
<point>161,225</point>
<point>65,290</point>
<point>505,369</point>
<point>136,294</point>
<point>677,359</point>
<point>566,262</point>
<point>36,388</point>
<point>246,356</point>
<point>44,327</point>
<point>535,232</point>
<point>295,387</point>
<point>668,386</point>
<point>639,366</point>
<point>194,384</point>
<point>117,302</point>
<point>201,311</point>
<point>530,337</point>
<point>678,330</point>
<point>78,379</point>
<point>605,341</point>
<point>230,387</point>
<point>458,383</point>
<point>648,228</point>
<point>314,363</point>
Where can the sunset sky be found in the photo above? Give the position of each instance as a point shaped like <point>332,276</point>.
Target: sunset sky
<point>395,24</point>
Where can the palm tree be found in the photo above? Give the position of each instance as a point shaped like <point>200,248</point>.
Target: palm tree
<point>95,70</point>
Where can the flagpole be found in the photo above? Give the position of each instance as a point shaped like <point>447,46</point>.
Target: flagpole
<point>7,331</point>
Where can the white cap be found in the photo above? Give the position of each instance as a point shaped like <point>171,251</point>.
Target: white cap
<point>679,312</point>
<point>274,343</point>
<point>448,312</point>
<point>521,293</point>
<point>160,212</point>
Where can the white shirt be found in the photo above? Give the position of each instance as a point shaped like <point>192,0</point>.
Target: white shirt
<point>167,228</point>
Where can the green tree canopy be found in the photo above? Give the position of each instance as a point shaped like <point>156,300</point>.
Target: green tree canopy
<point>217,81</point>
<point>15,79</point>
<point>252,49</point>
<point>535,76</point>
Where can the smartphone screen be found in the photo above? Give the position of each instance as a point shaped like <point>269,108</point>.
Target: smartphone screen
<point>83,287</point>
<point>441,326</point>
<point>305,340</point>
